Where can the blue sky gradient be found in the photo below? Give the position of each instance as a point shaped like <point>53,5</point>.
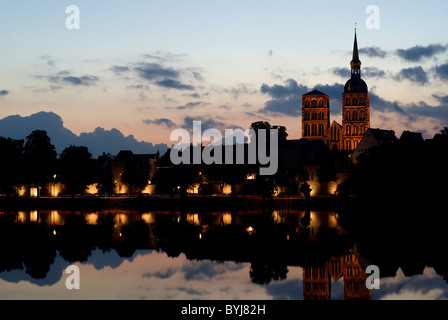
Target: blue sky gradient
<point>133,65</point>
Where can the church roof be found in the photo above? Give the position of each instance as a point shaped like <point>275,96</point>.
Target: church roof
<point>355,85</point>
<point>315,93</point>
<point>355,63</point>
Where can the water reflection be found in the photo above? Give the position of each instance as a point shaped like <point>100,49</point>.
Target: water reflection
<point>273,254</point>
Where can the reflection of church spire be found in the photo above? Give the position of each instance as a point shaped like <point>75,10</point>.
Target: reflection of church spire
<point>355,64</point>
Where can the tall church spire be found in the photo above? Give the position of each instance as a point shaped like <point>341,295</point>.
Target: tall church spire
<point>355,63</point>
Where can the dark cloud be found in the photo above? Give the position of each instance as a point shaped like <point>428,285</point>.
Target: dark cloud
<point>372,72</point>
<point>80,81</point>
<point>417,53</point>
<point>155,71</point>
<point>161,122</point>
<point>160,75</point>
<point>424,110</point>
<point>98,141</point>
<point>442,71</point>
<point>193,95</point>
<point>206,123</point>
<point>287,98</point>
<point>237,90</point>
<point>4,92</point>
<point>374,52</point>
<point>189,105</point>
<point>380,104</point>
<point>442,99</point>
<point>163,56</point>
<point>341,72</point>
<point>174,84</point>
<point>413,111</point>
<point>65,77</point>
<point>160,275</point>
<point>416,74</point>
<point>119,69</point>
<point>291,88</point>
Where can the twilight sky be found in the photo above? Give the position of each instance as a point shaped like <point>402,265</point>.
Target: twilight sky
<point>148,67</point>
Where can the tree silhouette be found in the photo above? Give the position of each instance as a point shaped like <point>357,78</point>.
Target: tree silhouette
<point>11,161</point>
<point>136,175</point>
<point>76,169</point>
<point>261,273</point>
<point>40,158</point>
<point>106,183</point>
<point>327,173</point>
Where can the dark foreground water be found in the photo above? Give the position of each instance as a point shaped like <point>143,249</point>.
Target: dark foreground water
<point>271,254</point>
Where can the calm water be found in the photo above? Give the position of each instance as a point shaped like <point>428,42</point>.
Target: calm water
<point>210,255</point>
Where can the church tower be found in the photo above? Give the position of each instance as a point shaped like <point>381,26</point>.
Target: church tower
<point>355,105</point>
<point>315,115</point>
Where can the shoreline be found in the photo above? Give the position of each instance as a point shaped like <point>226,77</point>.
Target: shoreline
<point>199,203</point>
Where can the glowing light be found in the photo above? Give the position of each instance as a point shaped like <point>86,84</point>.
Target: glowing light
<point>227,189</point>
<point>200,236</point>
<point>33,216</point>
<point>227,218</point>
<point>55,218</point>
<point>250,230</point>
<point>55,188</point>
<point>148,218</point>
<point>91,218</point>
<point>194,189</point>
<point>250,176</point>
<point>54,232</point>
<point>33,192</point>
<point>193,219</point>
<point>92,189</point>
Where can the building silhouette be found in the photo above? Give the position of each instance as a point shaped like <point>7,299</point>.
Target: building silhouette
<point>355,112</point>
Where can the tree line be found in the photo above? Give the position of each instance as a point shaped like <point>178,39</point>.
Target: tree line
<point>34,162</point>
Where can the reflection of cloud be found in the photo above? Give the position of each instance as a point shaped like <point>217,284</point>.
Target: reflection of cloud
<point>286,290</point>
<point>426,286</point>
<point>207,269</point>
<point>407,294</point>
<point>161,274</point>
